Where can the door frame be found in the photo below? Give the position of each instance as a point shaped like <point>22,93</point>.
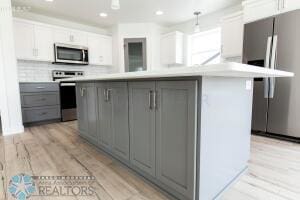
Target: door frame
<point>126,52</point>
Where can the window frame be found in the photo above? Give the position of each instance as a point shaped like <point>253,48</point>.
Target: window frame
<point>202,33</point>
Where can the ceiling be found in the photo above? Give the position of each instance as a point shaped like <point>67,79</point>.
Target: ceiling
<point>87,11</point>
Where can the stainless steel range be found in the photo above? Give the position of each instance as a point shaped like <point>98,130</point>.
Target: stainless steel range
<point>67,94</point>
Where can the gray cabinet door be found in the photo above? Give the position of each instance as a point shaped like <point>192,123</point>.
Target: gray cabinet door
<point>176,135</point>
<point>142,126</point>
<point>81,101</point>
<point>104,117</point>
<point>118,98</point>
<point>87,110</point>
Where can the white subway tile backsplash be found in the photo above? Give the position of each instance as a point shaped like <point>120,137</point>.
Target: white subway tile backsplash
<point>42,71</point>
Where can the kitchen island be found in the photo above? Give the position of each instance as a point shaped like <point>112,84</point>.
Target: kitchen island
<point>187,129</point>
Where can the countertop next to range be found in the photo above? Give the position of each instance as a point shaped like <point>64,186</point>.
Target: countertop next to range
<point>222,70</point>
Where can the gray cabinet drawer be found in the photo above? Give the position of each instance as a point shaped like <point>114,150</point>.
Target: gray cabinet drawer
<point>39,87</point>
<point>40,113</point>
<point>39,99</point>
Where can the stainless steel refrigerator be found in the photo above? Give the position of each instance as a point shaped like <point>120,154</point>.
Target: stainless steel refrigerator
<point>275,43</point>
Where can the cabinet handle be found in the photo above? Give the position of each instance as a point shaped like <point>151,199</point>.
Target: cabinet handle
<point>150,99</point>
<point>154,99</point>
<point>105,95</point>
<point>71,38</point>
<point>109,94</point>
<point>40,87</point>
<point>42,99</point>
<point>43,113</point>
<point>82,90</point>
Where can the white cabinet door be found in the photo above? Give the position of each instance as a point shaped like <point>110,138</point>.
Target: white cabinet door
<point>62,36</point>
<point>78,38</point>
<point>94,45</point>
<point>288,5</point>
<point>172,48</point>
<point>232,35</point>
<point>24,40</point>
<point>100,49</point>
<point>107,51</point>
<point>168,50</point>
<point>67,36</point>
<point>259,9</point>
<point>44,43</point>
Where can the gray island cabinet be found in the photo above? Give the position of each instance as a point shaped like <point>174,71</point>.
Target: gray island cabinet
<point>187,131</point>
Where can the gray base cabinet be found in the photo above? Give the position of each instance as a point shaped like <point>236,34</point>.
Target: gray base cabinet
<point>113,129</point>
<point>163,132</point>
<point>149,125</point>
<point>87,110</point>
<point>188,135</point>
<point>40,102</point>
<point>176,111</point>
<point>142,126</point>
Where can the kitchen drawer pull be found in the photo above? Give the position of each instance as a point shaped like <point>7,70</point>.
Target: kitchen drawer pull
<point>40,87</point>
<point>41,99</point>
<point>44,113</point>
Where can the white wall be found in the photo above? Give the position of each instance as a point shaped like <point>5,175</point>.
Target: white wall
<point>10,105</point>
<point>61,22</point>
<point>150,31</point>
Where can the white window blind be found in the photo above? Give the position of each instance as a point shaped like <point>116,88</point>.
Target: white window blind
<point>205,47</point>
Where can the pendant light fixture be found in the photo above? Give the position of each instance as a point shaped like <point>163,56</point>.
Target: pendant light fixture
<point>197,26</point>
<point>115,4</point>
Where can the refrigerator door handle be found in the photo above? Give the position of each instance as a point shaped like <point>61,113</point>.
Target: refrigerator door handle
<point>267,65</point>
<point>273,66</point>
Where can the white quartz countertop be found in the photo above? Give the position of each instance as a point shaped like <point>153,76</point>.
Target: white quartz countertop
<point>223,69</point>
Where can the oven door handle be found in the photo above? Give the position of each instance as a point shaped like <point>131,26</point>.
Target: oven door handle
<point>67,84</point>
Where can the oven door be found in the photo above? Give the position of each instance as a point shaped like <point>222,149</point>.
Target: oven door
<point>71,54</point>
<point>68,101</point>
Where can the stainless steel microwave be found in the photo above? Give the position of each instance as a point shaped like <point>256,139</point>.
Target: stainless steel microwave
<point>70,54</point>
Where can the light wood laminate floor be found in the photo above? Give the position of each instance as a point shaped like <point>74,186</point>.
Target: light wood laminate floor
<point>56,149</point>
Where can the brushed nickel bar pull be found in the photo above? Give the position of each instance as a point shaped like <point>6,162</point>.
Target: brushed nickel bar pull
<point>154,99</point>
<point>109,94</point>
<point>150,99</point>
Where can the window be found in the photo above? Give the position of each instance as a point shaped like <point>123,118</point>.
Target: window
<point>205,47</point>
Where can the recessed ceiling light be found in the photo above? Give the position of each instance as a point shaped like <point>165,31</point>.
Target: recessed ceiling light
<point>159,12</point>
<point>49,0</point>
<point>103,14</point>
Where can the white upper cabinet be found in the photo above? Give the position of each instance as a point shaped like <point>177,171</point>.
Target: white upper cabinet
<point>67,36</point>
<point>172,48</point>
<point>288,5</point>
<point>232,35</point>
<point>100,49</point>
<point>107,50</point>
<point>259,9</point>
<point>44,43</point>
<point>24,40</point>
<point>33,42</point>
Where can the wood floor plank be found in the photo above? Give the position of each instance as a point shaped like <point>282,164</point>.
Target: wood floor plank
<point>57,150</point>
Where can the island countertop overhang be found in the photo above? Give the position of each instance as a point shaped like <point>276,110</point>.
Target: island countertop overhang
<point>229,69</point>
